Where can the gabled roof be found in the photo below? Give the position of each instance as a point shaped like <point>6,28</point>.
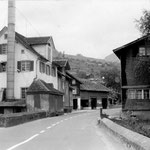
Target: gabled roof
<point>72,76</point>
<point>38,40</point>
<point>92,86</point>
<point>62,63</point>
<point>130,44</point>
<point>40,86</point>
<point>23,40</point>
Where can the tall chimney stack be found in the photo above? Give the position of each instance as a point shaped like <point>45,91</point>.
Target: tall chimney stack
<point>11,51</point>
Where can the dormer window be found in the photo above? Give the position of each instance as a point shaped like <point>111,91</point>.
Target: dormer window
<point>144,51</point>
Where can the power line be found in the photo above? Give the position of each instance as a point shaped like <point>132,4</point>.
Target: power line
<point>27,21</point>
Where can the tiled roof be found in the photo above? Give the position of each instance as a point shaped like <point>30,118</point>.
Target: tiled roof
<point>39,86</point>
<point>72,76</point>
<point>26,44</point>
<point>62,63</point>
<point>24,41</point>
<point>92,86</point>
<point>38,40</point>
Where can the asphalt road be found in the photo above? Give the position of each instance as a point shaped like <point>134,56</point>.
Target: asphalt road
<point>75,131</point>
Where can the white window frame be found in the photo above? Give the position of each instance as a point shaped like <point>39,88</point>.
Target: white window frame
<point>23,95</point>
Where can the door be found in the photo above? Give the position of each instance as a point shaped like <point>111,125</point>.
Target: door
<point>93,103</point>
<point>104,103</point>
<point>75,105</point>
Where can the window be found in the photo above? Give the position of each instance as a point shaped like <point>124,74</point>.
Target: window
<point>5,36</point>
<point>23,92</point>
<point>138,94</point>
<point>3,67</point>
<point>49,53</point>
<point>146,94</point>
<point>131,94</point>
<point>25,65</point>
<point>3,48</point>
<point>22,51</point>
<point>42,67</point>
<point>53,71</point>
<point>73,82</point>
<point>144,51</point>
<point>47,69</point>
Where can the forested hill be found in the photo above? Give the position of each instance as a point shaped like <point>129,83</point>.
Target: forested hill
<point>86,67</point>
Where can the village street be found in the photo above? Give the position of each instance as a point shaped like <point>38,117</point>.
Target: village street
<point>75,131</point>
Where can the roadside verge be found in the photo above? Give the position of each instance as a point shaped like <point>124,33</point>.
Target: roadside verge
<point>132,139</point>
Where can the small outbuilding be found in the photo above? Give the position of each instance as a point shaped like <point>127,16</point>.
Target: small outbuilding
<point>43,96</point>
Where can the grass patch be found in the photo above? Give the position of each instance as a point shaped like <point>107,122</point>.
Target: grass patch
<point>139,126</point>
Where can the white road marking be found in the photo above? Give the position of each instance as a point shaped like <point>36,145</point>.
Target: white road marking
<point>66,119</point>
<point>61,121</point>
<point>42,131</point>
<point>57,123</point>
<point>53,125</point>
<point>32,137</point>
<point>49,127</point>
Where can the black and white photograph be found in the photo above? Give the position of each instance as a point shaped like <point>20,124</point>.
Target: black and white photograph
<point>74,74</point>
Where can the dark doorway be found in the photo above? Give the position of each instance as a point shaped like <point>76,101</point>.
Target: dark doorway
<point>84,103</point>
<point>104,103</point>
<point>93,103</point>
<point>75,104</point>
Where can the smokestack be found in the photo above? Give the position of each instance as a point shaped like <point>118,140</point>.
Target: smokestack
<point>11,51</point>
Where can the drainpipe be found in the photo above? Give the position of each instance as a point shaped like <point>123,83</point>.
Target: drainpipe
<point>11,51</point>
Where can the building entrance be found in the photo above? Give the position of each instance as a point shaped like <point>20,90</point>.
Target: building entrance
<point>93,103</point>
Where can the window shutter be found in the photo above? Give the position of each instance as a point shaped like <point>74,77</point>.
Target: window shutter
<point>1,68</point>
<point>19,65</point>
<point>0,49</point>
<point>31,65</point>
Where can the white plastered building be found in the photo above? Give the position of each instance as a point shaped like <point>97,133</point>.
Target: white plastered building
<point>33,60</point>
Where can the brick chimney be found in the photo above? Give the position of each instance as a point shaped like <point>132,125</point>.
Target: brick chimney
<point>11,51</point>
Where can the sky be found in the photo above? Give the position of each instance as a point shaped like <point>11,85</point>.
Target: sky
<point>92,28</point>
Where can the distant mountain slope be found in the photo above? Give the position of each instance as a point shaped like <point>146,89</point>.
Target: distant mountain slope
<point>112,58</point>
<point>87,67</point>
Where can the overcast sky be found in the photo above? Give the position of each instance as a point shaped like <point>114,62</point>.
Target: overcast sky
<point>92,28</point>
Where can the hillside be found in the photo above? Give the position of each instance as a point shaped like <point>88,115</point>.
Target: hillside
<point>86,67</point>
<point>112,58</point>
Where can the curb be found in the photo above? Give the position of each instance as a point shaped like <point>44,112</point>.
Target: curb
<point>132,139</point>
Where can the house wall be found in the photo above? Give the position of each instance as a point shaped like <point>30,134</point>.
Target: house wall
<point>129,66</point>
<point>133,76</point>
<point>68,99</point>
<point>3,58</point>
<point>87,95</point>
<point>24,79</point>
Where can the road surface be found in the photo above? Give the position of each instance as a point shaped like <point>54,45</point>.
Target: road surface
<point>75,131</point>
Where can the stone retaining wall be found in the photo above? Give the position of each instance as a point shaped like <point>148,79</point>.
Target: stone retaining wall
<point>132,139</point>
<point>8,120</point>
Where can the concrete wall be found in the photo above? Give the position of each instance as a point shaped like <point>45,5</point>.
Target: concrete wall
<point>47,102</point>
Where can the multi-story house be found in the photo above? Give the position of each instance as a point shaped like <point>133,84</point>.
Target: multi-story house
<point>33,59</point>
<point>135,74</point>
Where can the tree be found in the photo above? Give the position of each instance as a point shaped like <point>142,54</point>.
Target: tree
<point>111,78</point>
<point>143,24</point>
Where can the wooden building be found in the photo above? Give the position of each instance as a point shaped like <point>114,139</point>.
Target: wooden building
<point>135,73</point>
<point>93,94</point>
